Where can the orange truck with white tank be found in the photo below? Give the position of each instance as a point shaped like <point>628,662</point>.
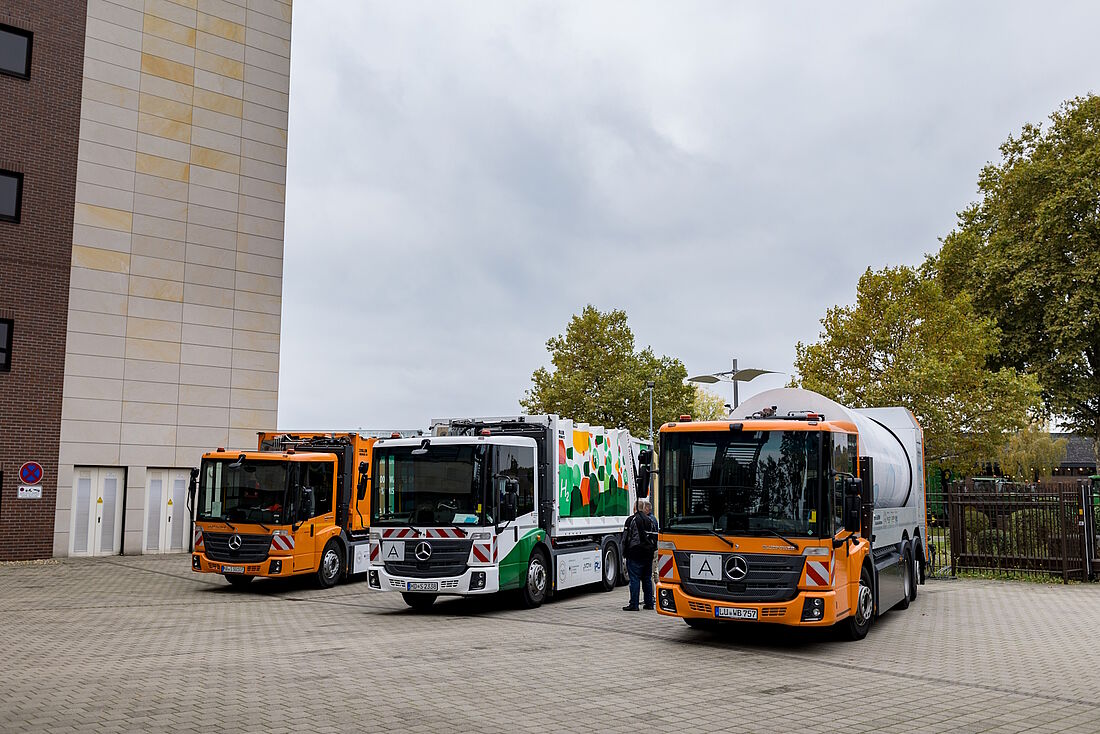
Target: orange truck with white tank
<point>297,505</point>
<point>794,511</point>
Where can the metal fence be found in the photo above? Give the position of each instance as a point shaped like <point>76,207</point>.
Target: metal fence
<point>1013,530</point>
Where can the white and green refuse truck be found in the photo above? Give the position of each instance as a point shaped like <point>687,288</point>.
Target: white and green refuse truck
<point>534,503</point>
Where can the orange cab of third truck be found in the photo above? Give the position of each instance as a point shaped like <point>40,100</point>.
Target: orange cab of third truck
<point>297,505</point>
<point>795,510</point>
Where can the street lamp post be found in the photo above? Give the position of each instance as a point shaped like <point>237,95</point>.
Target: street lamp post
<point>649,386</point>
<point>734,376</point>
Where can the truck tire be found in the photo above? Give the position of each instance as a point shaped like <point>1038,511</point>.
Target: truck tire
<point>236,580</point>
<point>610,567</point>
<point>907,584</point>
<point>419,602</point>
<point>857,625</point>
<point>537,581</point>
<point>331,568</point>
<point>916,570</point>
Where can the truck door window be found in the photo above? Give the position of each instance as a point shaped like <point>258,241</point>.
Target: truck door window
<point>518,462</point>
<point>844,462</point>
<point>318,476</point>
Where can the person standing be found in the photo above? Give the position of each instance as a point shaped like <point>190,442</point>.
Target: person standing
<point>639,546</point>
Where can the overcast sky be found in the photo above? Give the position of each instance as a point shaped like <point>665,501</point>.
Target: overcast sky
<point>464,177</point>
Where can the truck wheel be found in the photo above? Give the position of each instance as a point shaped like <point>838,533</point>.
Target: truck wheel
<point>331,567</point>
<point>610,567</point>
<point>538,580</point>
<point>906,578</point>
<point>916,575</point>
<point>419,602</point>
<point>856,626</point>
<point>235,580</point>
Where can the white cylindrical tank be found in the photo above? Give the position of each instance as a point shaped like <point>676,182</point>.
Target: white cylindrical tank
<point>893,468</point>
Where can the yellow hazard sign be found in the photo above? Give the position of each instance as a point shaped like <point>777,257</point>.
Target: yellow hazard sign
<point>169,503</point>
<point>99,501</point>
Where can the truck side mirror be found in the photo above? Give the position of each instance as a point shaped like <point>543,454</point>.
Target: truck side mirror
<point>308,505</point>
<point>645,472</point>
<point>853,491</point>
<point>510,500</point>
<point>192,485</point>
<point>364,478</point>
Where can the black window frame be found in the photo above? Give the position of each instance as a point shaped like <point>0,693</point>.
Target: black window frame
<point>14,219</point>
<point>29,35</point>
<point>5,347</point>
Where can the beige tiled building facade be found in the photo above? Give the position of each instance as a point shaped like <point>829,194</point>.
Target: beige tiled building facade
<point>176,274</point>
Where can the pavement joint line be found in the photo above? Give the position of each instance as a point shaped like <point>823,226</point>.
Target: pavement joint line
<point>281,596</point>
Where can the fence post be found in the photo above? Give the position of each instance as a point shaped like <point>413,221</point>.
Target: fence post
<point>1087,530</point>
<point>955,522</point>
<point>1065,551</point>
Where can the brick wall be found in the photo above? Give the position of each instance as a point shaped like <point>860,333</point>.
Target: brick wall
<point>39,129</point>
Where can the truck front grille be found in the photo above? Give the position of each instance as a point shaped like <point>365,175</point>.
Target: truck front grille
<point>770,578</point>
<point>448,558</point>
<point>254,548</point>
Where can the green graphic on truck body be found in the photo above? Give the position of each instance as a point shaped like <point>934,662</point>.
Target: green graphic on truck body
<point>513,567</point>
<point>592,480</point>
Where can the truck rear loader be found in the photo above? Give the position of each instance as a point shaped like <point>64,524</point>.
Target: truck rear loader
<point>795,511</point>
<point>534,503</point>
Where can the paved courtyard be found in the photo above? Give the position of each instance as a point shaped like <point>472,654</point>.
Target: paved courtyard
<point>142,644</point>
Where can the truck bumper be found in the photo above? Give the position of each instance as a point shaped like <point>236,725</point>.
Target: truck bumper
<point>273,566</point>
<point>468,584</point>
<point>673,602</point>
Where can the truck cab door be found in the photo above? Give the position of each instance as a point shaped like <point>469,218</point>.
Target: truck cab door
<point>515,482</point>
<point>316,512</point>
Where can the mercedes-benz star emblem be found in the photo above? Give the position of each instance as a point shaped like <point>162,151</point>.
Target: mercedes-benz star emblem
<point>423,551</point>
<point>736,568</point>
<point>235,543</point>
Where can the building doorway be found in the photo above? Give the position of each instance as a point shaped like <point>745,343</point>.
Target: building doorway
<point>97,511</point>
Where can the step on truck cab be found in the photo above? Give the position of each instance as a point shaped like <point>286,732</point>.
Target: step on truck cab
<point>795,511</point>
<point>298,504</point>
<point>534,503</point>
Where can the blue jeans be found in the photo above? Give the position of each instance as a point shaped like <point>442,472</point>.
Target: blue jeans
<point>641,573</point>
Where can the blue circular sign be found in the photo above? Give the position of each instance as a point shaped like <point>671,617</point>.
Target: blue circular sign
<point>30,473</point>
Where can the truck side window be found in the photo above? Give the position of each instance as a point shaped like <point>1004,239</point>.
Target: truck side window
<point>519,462</point>
<point>844,463</point>
<point>318,476</point>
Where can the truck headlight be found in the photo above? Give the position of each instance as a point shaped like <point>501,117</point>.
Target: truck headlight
<point>816,550</point>
<point>375,536</point>
<point>481,536</point>
<point>666,545</point>
<point>666,600</point>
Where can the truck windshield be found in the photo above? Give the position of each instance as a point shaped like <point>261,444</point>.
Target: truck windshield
<point>740,482</point>
<point>444,486</point>
<point>255,491</point>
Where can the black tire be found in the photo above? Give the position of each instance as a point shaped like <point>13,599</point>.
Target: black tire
<point>697,623</point>
<point>537,582</point>
<point>917,580</point>
<point>419,602</point>
<point>331,568</point>
<point>856,626</point>
<point>906,578</point>
<point>236,580</point>
<point>611,565</point>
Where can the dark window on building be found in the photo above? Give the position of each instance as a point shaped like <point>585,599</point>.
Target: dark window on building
<point>11,195</point>
<point>5,345</point>
<point>15,51</point>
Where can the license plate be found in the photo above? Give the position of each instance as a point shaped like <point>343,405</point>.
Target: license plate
<point>232,569</point>
<point>422,586</point>
<point>735,613</point>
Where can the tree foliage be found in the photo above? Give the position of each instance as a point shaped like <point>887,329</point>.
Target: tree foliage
<point>599,378</point>
<point>1029,253</point>
<point>905,342</point>
<point>708,406</point>
<point>1031,453</point>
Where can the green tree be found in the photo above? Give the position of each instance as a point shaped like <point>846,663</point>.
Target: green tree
<point>707,406</point>
<point>1029,253</point>
<point>905,342</point>
<point>599,378</point>
<point>1031,453</point>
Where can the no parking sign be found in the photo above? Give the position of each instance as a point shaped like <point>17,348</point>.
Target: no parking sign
<point>30,474</point>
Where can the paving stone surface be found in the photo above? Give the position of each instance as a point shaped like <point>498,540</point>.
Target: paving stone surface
<point>143,644</point>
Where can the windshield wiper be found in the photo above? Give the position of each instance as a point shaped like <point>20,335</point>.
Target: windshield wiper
<point>782,537</point>
<point>721,537</point>
<point>225,519</point>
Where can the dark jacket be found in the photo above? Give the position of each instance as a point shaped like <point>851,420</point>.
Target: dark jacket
<point>640,537</point>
